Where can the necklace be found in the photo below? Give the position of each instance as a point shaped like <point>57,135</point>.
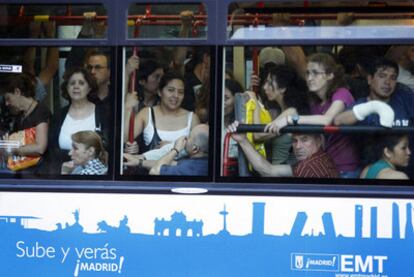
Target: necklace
<point>27,112</point>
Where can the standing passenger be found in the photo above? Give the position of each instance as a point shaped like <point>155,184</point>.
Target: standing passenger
<point>81,114</point>
<point>328,97</point>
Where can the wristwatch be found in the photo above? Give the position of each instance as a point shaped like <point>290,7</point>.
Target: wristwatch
<point>295,119</point>
<point>140,163</point>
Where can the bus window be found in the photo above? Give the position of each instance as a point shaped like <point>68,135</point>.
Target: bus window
<point>297,90</point>
<point>167,21</point>
<point>166,111</point>
<point>38,21</point>
<point>323,20</point>
<point>56,111</point>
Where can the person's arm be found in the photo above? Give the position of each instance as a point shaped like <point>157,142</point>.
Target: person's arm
<point>260,164</point>
<point>195,120</point>
<point>324,119</point>
<point>130,101</point>
<point>168,159</point>
<point>52,56</point>
<point>77,54</point>
<point>281,121</point>
<point>131,66</point>
<point>296,57</point>
<point>185,32</point>
<point>360,111</point>
<point>39,147</point>
<point>395,53</point>
<point>392,175</point>
<point>138,160</point>
<point>67,168</point>
<point>345,118</point>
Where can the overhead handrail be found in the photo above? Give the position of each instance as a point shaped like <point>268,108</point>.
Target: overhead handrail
<point>153,19</point>
<point>328,129</point>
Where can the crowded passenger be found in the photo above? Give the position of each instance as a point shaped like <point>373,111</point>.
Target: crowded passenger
<point>88,156</point>
<point>390,153</point>
<point>312,160</point>
<point>328,97</point>
<point>382,80</point>
<point>284,88</point>
<point>371,110</point>
<point>196,164</point>
<point>197,73</point>
<point>403,55</point>
<point>201,106</point>
<point>98,64</point>
<point>165,122</point>
<point>147,81</point>
<point>78,87</point>
<point>30,116</point>
<point>231,88</point>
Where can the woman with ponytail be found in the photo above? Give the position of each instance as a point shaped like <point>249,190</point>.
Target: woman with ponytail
<point>88,156</point>
<point>328,96</point>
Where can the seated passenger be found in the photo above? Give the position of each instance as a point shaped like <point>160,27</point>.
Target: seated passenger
<point>313,161</point>
<point>31,116</point>
<point>391,152</point>
<point>88,156</point>
<point>80,115</point>
<point>196,145</point>
<point>167,121</point>
<point>328,97</point>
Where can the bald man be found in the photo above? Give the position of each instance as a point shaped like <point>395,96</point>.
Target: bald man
<point>196,145</point>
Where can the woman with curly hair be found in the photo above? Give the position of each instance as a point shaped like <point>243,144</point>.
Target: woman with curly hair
<point>328,96</point>
<point>287,90</point>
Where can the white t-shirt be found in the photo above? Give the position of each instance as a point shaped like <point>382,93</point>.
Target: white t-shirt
<point>71,126</point>
<point>405,77</point>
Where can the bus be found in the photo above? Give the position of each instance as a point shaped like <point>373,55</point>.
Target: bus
<point>206,137</point>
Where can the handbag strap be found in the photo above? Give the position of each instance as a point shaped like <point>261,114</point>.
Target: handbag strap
<point>155,126</point>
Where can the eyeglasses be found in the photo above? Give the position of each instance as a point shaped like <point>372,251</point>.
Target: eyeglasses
<point>314,73</point>
<point>96,67</point>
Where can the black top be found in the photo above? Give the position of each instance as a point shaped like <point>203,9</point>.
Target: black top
<point>40,114</point>
<point>191,87</point>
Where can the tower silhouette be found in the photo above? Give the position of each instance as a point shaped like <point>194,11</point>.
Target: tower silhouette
<point>395,221</point>
<point>374,224</point>
<point>409,232</point>
<point>298,225</point>
<point>328,225</point>
<point>258,218</point>
<point>224,213</point>
<point>358,221</point>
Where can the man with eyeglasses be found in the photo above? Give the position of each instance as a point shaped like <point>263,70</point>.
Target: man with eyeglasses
<point>97,63</point>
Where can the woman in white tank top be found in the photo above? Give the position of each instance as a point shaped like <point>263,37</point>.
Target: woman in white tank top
<point>170,121</point>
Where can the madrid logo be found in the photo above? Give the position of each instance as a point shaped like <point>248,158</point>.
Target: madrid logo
<point>299,261</point>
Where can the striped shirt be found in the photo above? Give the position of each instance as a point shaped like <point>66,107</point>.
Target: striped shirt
<point>319,165</point>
